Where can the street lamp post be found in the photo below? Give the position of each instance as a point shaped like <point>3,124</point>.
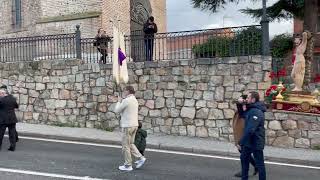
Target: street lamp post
<point>265,30</point>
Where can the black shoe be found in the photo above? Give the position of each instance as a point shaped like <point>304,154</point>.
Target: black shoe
<point>11,148</point>
<point>255,172</point>
<point>238,175</point>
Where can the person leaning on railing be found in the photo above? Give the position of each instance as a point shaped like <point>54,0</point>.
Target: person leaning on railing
<point>149,29</point>
<point>101,42</point>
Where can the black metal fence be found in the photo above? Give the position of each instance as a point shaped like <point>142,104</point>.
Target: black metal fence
<point>208,43</point>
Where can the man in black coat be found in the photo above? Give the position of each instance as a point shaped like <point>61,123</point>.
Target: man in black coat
<point>253,138</point>
<point>8,117</point>
<point>4,87</point>
<point>149,29</point>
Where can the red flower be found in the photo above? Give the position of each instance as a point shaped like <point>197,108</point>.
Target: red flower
<point>270,89</point>
<point>317,78</point>
<point>282,72</point>
<point>273,88</point>
<point>273,75</point>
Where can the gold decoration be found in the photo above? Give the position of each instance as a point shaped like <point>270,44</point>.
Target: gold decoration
<point>316,94</point>
<point>280,86</point>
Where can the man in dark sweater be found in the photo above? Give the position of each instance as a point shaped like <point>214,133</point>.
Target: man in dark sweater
<point>8,117</point>
<point>140,139</point>
<point>149,29</point>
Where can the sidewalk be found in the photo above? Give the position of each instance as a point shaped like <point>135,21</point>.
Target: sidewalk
<point>167,142</point>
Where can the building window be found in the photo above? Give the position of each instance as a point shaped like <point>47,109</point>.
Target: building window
<point>16,13</point>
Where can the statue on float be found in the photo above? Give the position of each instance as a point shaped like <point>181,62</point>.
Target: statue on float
<point>299,67</point>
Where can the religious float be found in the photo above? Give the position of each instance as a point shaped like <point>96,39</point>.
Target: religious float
<point>296,100</point>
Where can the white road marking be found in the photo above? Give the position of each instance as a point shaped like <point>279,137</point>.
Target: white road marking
<point>168,152</point>
<point>35,173</point>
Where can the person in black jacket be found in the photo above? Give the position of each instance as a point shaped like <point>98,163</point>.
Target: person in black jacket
<point>253,138</point>
<point>140,139</point>
<point>8,117</point>
<point>4,87</point>
<point>101,43</point>
<point>149,29</point>
<point>242,113</point>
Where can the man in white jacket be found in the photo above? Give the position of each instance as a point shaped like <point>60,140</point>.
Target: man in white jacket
<point>128,109</point>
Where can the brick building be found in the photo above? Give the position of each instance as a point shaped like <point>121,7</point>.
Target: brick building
<point>41,17</point>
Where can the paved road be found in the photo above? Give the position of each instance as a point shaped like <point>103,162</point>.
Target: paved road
<point>76,160</point>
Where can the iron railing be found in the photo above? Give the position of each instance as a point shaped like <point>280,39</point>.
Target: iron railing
<point>208,43</point>
<point>60,46</point>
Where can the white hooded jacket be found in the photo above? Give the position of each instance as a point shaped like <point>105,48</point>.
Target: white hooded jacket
<point>128,110</point>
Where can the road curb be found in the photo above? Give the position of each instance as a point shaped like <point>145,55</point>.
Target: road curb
<point>171,148</point>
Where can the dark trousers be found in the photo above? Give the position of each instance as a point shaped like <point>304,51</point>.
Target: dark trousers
<point>141,152</point>
<point>252,161</point>
<point>149,48</point>
<point>259,160</point>
<point>103,58</point>
<point>12,134</point>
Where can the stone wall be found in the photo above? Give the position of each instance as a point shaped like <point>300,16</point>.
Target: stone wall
<point>288,129</point>
<point>181,97</point>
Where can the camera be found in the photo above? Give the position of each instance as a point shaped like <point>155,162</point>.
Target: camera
<point>244,97</point>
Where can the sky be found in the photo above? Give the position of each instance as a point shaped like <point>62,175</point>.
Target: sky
<point>182,16</point>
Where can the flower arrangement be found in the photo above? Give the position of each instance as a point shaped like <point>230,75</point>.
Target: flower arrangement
<point>273,91</point>
<point>317,78</point>
<point>277,76</point>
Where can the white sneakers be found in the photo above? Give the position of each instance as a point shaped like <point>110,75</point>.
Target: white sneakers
<point>138,163</point>
<point>125,168</point>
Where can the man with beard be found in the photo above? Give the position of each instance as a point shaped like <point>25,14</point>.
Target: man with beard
<point>8,118</point>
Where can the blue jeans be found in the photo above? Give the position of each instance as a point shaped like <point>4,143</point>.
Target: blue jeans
<point>245,159</point>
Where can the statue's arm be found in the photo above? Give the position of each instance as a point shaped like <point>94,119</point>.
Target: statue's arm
<point>303,45</point>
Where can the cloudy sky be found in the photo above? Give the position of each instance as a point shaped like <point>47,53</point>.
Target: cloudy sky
<point>182,16</point>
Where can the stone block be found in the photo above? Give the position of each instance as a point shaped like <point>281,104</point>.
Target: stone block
<point>284,141</point>
<point>302,143</point>
<point>202,132</point>
<point>150,104</point>
<point>219,94</point>
<point>289,124</point>
<point>182,131</point>
<point>214,132</point>
<point>228,81</point>
<point>275,125</point>
<point>189,102</point>
<point>202,113</point>
<point>201,103</point>
<point>170,102</point>
<point>168,93</point>
<point>314,134</point>
<point>159,102</point>
<point>174,112</point>
<point>208,95</point>
<point>188,112</point>
<point>223,123</point>
<point>191,130</point>
<point>228,113</point>
<point>216,114</point>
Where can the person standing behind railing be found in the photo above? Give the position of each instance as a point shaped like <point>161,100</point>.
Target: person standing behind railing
<point>149,29</point>
<point>101,43</point>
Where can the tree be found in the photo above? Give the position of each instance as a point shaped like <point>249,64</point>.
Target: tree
<point>306,10</point>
